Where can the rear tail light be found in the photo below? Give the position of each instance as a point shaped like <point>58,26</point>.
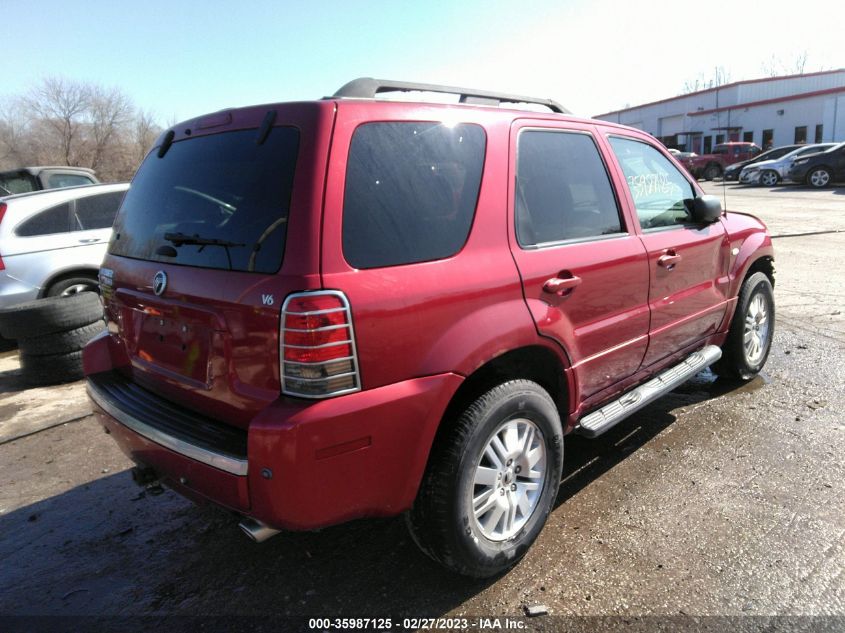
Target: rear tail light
<point>318,355</point>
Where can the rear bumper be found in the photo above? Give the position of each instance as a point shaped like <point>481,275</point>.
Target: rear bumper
<point>13,291</point>
<point>300,465</point>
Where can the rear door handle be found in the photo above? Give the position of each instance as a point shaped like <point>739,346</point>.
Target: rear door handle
<point>669,260</point>
<point>89,240</point>
<point>560,285</point>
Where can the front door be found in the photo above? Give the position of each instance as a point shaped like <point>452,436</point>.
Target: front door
<point>687,260</point>
<point>585,273</point>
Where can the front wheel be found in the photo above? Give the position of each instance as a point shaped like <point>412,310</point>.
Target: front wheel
<point>769,178</point>
<point>750,338</point>
<point>819,178</point>
<point>491,482</point>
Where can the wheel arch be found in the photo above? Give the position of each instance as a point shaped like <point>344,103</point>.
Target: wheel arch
<point>67,273</point>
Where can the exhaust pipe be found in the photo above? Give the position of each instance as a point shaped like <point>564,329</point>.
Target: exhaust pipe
<point>256,530</point>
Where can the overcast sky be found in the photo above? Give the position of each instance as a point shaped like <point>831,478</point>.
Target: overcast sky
<point>184,58</point>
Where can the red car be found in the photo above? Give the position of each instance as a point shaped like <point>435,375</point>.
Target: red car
<point>710,166</point>
<point>355,307</point>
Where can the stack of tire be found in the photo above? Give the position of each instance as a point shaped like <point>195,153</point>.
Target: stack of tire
<point>51,333</point>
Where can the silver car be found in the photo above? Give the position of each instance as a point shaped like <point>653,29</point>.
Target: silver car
<point>770,172</point>
<point>52,242</point>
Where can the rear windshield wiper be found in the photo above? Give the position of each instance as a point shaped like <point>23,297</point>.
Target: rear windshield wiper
<point>178,239</point>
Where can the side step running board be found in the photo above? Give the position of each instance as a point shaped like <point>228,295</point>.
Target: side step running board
<point>609,415</point>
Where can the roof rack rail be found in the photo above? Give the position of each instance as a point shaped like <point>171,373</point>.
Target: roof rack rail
<point>368,88</point>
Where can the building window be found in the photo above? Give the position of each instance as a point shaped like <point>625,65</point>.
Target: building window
<point>819,133</point>
<point>748,137</point>
<point>801,134</point>
<point>708,144</point>
<point>768,139</point>
<point>720,138</point>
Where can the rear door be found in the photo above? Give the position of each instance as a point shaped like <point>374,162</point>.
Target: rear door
<point>687,261</point>
<point>584,271</point>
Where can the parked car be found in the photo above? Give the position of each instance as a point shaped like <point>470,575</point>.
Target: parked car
<point>314,314</point>
<point>711,166</point>
<point>732,171</point>
<point>770,172</point>
<point>52,242</point>
<point>820,169</point>
<point>28,179</point>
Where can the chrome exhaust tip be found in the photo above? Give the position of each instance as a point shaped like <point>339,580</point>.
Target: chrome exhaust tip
<point>256,530</point>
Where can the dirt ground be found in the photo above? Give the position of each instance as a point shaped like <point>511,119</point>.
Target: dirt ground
<point>716,501</point>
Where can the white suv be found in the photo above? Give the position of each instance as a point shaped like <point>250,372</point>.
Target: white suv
<point>52,242</point>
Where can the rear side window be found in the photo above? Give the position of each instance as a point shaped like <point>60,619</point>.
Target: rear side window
<point>218,201</point>
<point>49,221</point>
<point>96,212</point>
<point>562,189</point>
<point>57,181</point>
<point>411,191</point>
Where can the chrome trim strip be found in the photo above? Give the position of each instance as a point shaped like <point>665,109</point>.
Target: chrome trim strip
<point>331,377</point>
<point>316,329</point>
<point>327,311</point>
<point>217,460</point>
<point>322,362</point>
<point>333,344</point>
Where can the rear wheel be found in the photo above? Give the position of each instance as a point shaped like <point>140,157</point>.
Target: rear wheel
<point>73,286</point>
<point>491,482</point>
<point>769,178</point>
<point>819,177</point>
<point>752,329</point>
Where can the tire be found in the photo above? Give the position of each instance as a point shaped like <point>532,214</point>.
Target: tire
<point>52,369</point>
<point>54,314</point>
<point>769,178</point>
<point>819,177</point>
<point>60,342</point>
<point>73,286</point>
<point>712,172</point>
<point>752,329</point>
<point>461,474</point>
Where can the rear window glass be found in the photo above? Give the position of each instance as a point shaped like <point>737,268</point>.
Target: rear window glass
<point>218,201</point>
<point>411,191</point>
<point>96,212</point>
<point>18,183</point>
<point>52,220</point>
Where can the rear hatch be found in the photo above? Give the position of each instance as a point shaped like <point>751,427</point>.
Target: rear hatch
<point>220,224</point>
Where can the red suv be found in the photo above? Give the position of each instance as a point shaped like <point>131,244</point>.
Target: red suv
<point>358,307</point>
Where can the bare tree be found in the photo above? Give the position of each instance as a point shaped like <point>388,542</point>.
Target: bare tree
<point>720,77</point>
<point>109,112</point>
<point>60,105</point>
<point>775,66</point>
<point>74,123</point>
<point>146,131</point>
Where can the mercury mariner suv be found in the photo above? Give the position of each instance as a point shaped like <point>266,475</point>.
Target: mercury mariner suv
<point>359,306</point>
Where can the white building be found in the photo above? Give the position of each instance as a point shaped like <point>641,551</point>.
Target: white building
<point>772,111</point>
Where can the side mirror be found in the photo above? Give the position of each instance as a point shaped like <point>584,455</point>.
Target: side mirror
<point>706,209</point>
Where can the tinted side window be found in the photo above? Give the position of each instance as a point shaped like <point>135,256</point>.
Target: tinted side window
<point>411,191</point>
<point>659,190</point>
<point>96,212</point>
<point>57,181</point>
<point>53,220</point>
<point>562,189</point>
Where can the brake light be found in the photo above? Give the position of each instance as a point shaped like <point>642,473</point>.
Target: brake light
<point>317,345</point>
